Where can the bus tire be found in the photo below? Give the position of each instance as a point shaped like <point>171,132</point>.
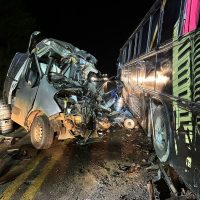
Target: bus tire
<point>161,134</point>
<point>41,132</point>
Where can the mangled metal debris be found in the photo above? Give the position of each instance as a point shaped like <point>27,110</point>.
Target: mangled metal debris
<point>120,114</point>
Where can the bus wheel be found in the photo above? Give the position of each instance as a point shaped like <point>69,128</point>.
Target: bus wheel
<point>161,134</point>
<point>41,132</point>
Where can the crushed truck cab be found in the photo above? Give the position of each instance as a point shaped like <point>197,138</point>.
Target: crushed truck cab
<point>55,90</point>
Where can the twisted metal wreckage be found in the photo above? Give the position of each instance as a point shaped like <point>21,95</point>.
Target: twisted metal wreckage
<point>56,88</point>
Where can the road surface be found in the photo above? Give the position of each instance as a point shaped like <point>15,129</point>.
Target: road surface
<point>113,168</point>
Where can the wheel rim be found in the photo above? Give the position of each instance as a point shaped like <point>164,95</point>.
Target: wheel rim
<point>38,133</point>
<point>160,134</point>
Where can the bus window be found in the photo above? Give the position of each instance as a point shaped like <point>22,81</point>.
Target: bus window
<point>120,59</point>
<point>171,14</point>
<point>124,56</point>
<point>154,30</point>
<point>132,48</point>
<point>127,51</point>
<point>138,43</point>
<point>145,31</point>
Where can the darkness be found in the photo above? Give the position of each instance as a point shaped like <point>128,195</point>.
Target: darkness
<point>99,27</point>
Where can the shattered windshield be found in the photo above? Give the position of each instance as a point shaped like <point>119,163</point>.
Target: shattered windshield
<point>63,60</point>
<point>67,66</point>
<point>72,67</point>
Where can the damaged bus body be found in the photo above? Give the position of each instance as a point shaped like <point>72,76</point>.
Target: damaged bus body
<point>160,67</point>
<point>55,88</point>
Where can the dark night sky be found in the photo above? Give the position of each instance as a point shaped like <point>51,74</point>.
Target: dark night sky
<point>98,27</point>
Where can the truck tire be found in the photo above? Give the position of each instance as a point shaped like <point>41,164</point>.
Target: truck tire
<point>161,134</point>
<point>6,124</point>
<point>41,132</point>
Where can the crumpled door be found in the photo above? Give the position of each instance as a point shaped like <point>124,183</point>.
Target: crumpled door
<point>26,93</point>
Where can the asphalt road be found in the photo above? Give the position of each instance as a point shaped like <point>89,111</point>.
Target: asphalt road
<point>113,168</point>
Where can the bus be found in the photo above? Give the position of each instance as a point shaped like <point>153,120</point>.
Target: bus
<point>159,66</point>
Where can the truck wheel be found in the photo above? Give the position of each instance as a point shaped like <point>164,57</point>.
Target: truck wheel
<point>41,132</point>
<point>162,132</point>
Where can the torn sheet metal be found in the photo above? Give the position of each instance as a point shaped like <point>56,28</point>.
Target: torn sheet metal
<point>120,114</point>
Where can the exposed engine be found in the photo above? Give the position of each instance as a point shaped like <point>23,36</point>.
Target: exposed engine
<point>83,113</point>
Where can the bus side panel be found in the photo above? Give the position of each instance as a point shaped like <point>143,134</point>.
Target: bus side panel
<point>163,79</point>
<point>186,85</point>
<point>152,73</point>
<point>129,76</point>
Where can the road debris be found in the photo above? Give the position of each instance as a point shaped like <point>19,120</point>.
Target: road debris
<point>151,190</point>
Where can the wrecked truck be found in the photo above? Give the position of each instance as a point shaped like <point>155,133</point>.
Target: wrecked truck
<point>54,89</point>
